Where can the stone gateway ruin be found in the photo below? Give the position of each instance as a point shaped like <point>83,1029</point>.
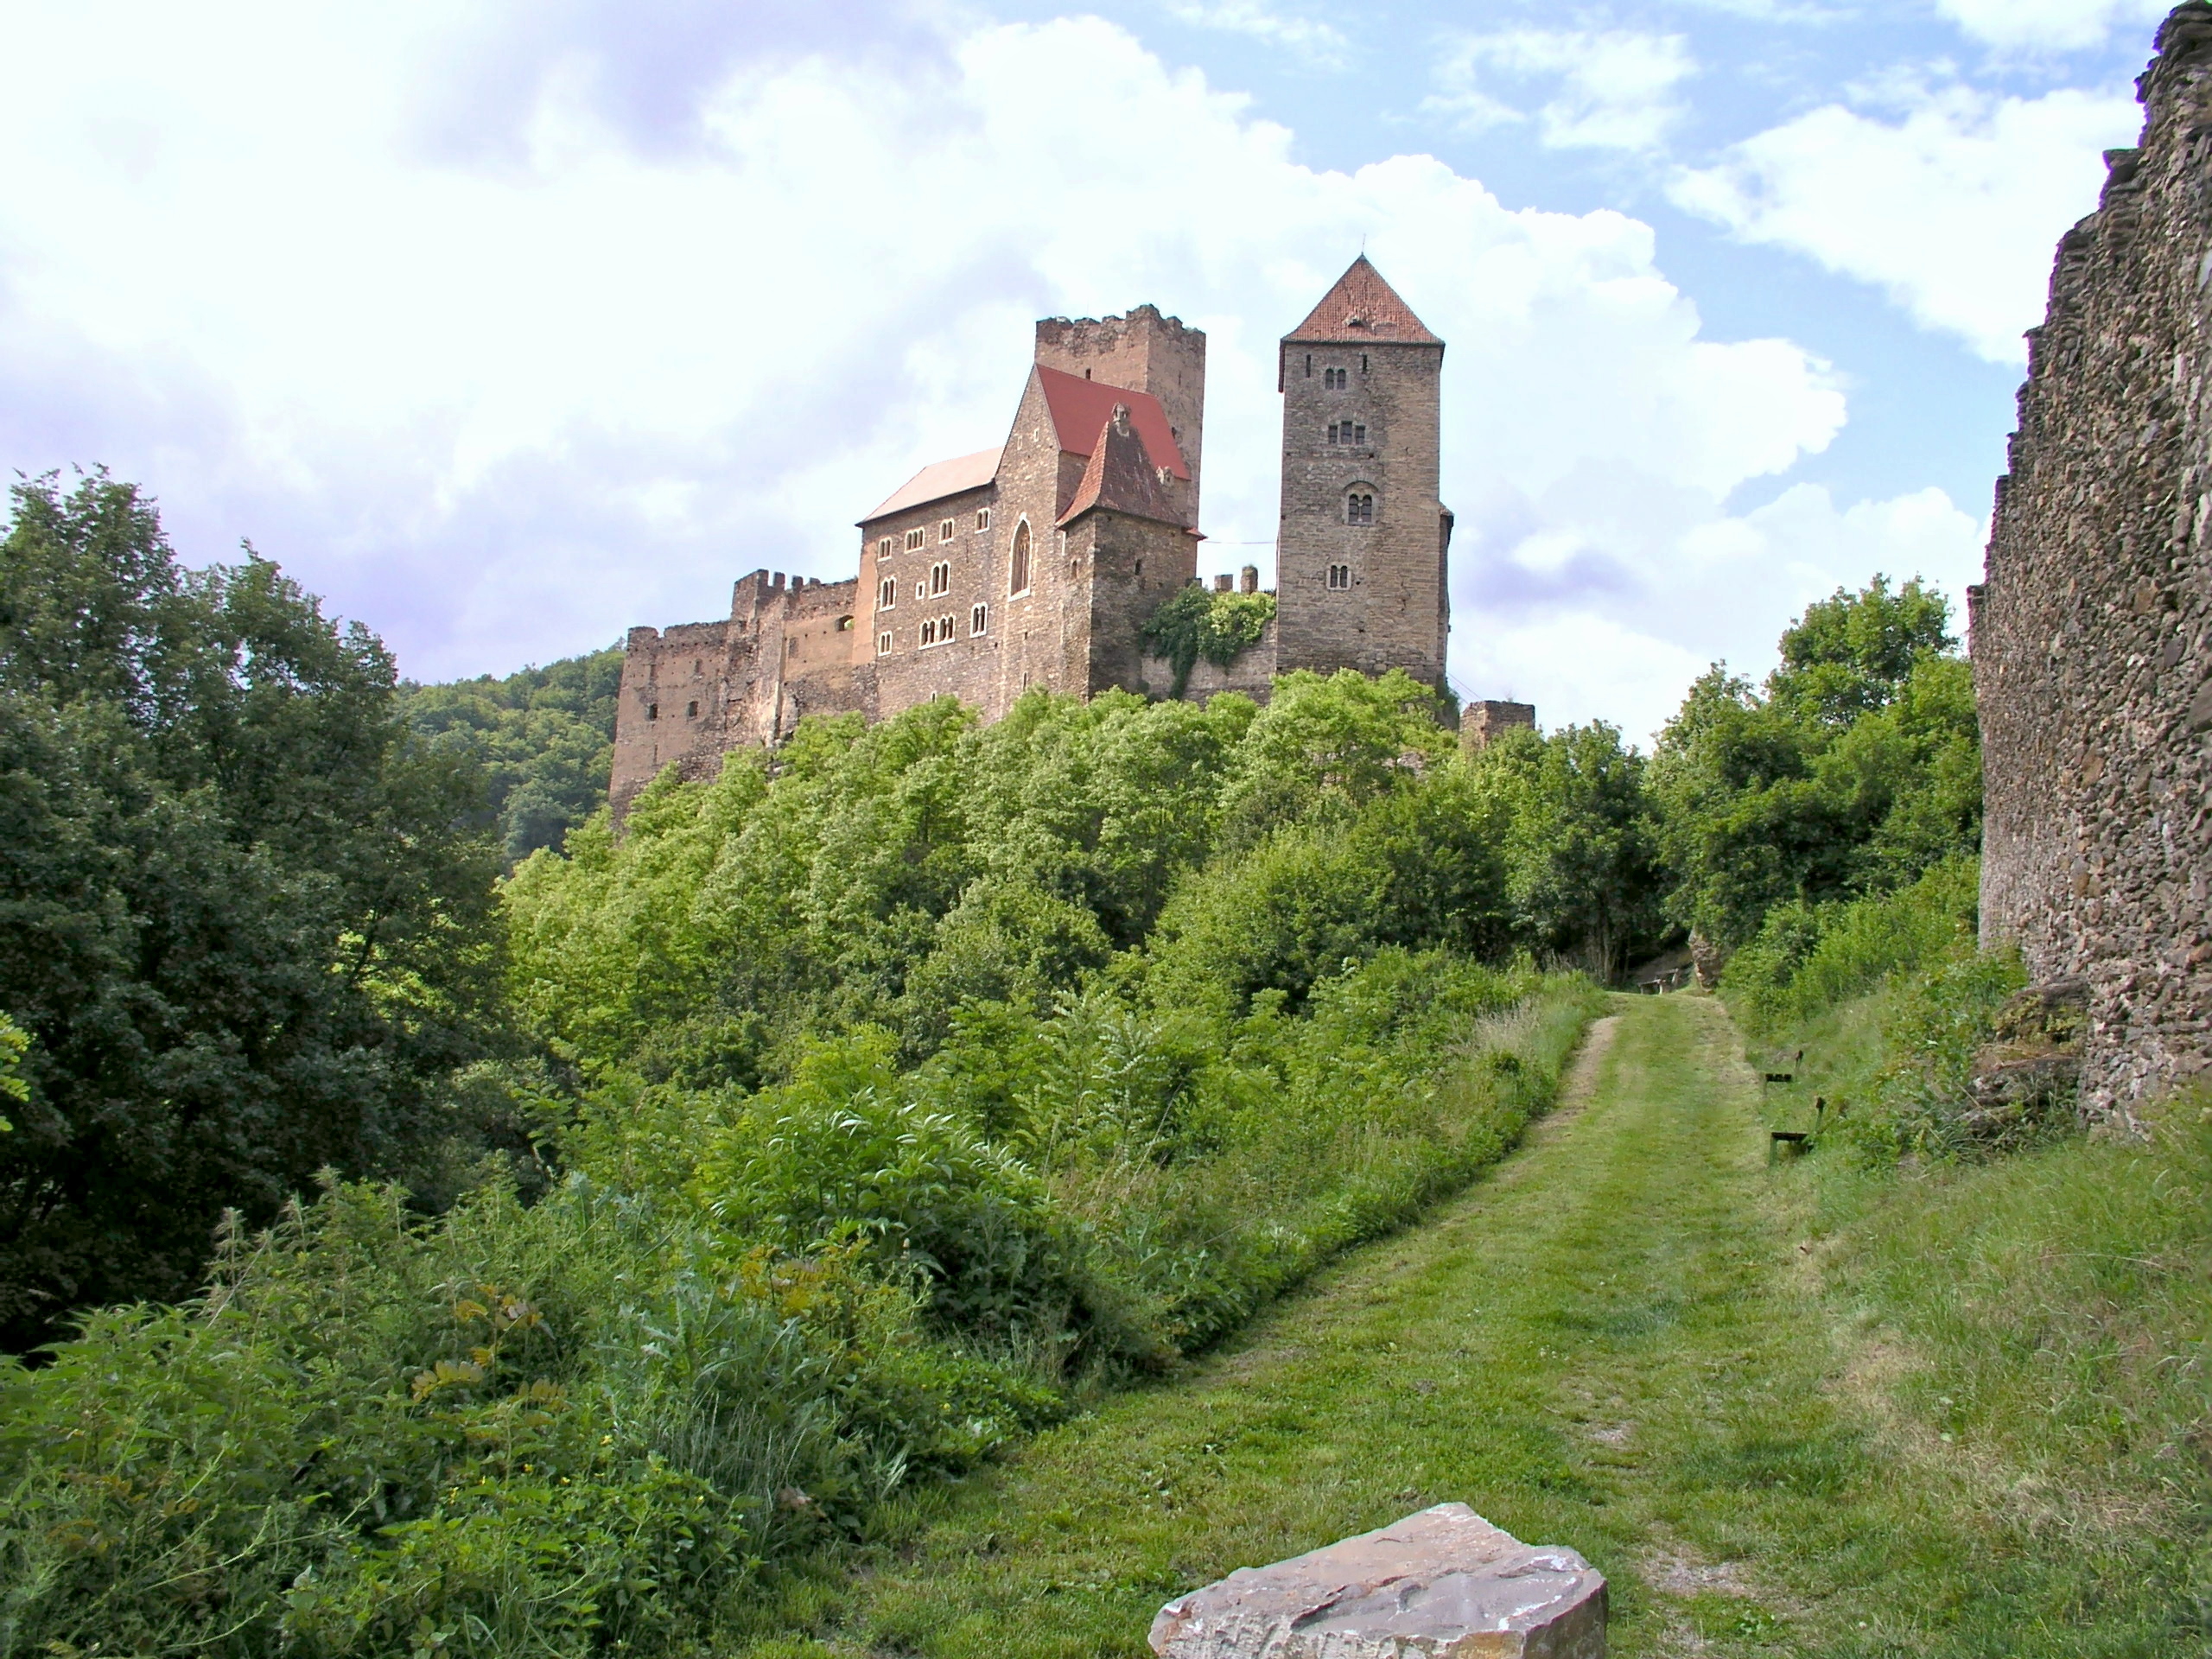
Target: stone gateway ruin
<point>2092,634</point>
<point>1037,563</point>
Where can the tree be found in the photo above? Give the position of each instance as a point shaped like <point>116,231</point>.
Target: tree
<point>1857,768</point>
<point>1582,851</point>
<point>240,915</point>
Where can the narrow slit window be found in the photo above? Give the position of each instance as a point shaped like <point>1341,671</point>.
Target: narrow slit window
<point>652,711</point>
<point>690,711</point>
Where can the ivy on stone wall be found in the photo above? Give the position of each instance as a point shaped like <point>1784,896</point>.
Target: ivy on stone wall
<point>1193,623</point>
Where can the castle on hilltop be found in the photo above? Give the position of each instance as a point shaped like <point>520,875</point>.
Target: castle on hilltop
<point>1037,563</point>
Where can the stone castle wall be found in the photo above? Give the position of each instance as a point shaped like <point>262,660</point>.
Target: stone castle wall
<point>2092,634</point>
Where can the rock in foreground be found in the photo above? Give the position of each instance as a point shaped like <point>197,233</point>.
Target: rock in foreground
<point>1442,1582</point>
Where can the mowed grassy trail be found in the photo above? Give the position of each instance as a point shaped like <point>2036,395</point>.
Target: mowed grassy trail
<point>1614,1342</point>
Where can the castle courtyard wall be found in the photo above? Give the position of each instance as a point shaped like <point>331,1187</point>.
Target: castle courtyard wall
<point>2092,634</point>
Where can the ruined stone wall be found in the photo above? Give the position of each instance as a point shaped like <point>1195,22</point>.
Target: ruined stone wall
<point>2092,634</point>
<point>1482,720</point>
<point>692,693</point>
<point>1393,614</point>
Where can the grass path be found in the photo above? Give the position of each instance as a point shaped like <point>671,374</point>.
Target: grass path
<point>1610,1344</point>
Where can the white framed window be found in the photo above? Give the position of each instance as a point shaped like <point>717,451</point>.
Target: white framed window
<point>921,590</point>
<point>1359,508</point>
<point>887,593</point>
<point>883,548</point>
<point>941,575</point>
<point>1018,579</point>
<point>983,518</point>
<point>944,630</point>
<point>979,619</point>
<point>944,530</point>
<point>925,635</point>
<point>883,645</point>
<point>915,537</point>
<point>1339,576</point>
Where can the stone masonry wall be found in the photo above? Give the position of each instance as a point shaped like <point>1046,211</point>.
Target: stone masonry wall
<point>2092,633</point>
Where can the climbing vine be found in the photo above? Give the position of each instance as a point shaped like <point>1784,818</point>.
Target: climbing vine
<point>1193,623</point>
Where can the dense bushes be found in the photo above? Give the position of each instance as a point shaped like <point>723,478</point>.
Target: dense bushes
<point>739,1322</point>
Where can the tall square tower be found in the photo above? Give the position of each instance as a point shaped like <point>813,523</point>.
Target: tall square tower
<point>1361,557</point>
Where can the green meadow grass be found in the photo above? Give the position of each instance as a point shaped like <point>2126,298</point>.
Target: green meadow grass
<point>1801,1409</point>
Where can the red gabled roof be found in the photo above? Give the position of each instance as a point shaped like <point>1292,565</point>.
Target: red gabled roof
<point>1081,408</point>
<point>938,480</point>
<point>1362,307</point>
<point>1121,477</point>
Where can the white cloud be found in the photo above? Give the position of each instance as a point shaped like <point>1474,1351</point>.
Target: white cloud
<point>2048,25</point>
<point>1954,210</point>
<point>1615,89</point>
<point>501,407</point>
<point>1308,37</point>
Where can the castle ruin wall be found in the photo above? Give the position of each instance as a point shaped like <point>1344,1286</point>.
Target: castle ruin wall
<point>2092,632</point>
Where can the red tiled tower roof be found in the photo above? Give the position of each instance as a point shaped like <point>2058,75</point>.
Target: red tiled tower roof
<point>1121,477</point>
<point>1082,408</point>
<point>1362,307</point>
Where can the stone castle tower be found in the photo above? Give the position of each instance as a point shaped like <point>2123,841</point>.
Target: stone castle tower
<point>1360,562</point>
<point>1036,563</point>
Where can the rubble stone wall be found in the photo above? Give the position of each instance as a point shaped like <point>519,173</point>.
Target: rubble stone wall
<point>2092,633</point>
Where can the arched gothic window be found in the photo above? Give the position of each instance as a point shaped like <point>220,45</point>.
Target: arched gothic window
<point>1359,508</point>
<point>1019,583</point>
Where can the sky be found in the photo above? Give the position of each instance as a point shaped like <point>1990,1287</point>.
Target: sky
<point>506,325</point>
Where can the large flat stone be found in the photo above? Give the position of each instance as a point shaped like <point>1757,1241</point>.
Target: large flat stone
<point>1442,1582</point>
